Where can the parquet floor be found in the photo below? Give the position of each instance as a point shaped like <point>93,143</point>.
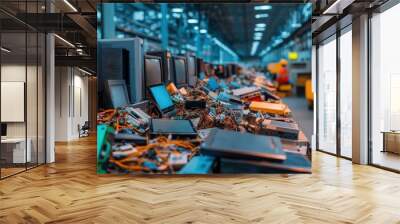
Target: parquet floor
<point>69,191</point>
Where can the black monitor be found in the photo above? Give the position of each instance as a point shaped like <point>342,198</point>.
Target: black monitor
<point>153,72</point>
<point>3,129</point>
<point>180,71</point>
<point>192,70</point>
<point>117,93</point>
<point>200,66</point>
<point>166,59</point>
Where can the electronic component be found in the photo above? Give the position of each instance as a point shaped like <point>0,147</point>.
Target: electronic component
<point>180,71</point>
<point>139,114</point>
<point>294,163</point>
<point>280,129</point>
<point>162,99</point>
<point>195,104</point>
<point>271,108</point>
<point>246,91</point>
<point>105,135</point>
<point>232,144</point>
<point>152,70</point>
<point>117,93</point>
<point>171,88</point>
<point>175,128</point>
<point>212,84</point>
<point>130,138</point>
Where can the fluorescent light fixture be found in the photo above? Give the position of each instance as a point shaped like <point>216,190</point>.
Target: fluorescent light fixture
<point>84,71</point>
<point>260,16</point>
<point>70,5</point>
<point>338,6</point>
<point>203,31</point>
<point>196,28</point>
<point>259,29</point>
<point>254,48</point>
<point>226,48</point>
<point>258,34</point>
<point>296,25</point>
<point>64,40</point>
<point>285,34</point>
<point>257,37</point>
<point>176,15</point>
<point>262,25</point>
<point>177,10</point>
<point>192,21</point>
<point>5,50</point>
<point>262,7</point>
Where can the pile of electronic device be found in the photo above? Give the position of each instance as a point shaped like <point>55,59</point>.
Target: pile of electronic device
<point>217,126</point>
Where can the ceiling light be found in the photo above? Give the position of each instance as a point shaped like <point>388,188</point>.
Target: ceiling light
<point>257,37</point>
<point>261,25</point>
<point>177,10</point>
<point>226,48</point>
<point>176,15</point>
<point>285,34</point>
<point>203,31</point>
<point>296,25</point>
<point>258,34</point>
<point>196,28</point>
<point>65,41</point>
<point>259,16</point>
<point>262,7</point>
<point>84,71</point>
<point>192,21</point>
<point>254,47</point>
<point>5,50</point>
<point>259,29</point>
<point>70,5</point>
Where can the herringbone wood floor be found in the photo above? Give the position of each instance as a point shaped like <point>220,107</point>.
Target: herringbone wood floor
<point>69,191</point>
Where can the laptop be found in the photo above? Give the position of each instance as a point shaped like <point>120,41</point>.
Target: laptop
<point>238,145</point>
<point>175,128</point>
<point>162,100</point>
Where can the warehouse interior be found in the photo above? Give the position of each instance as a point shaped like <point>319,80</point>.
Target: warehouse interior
<point>342,78</point>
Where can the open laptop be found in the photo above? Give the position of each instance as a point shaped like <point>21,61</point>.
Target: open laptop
<point>162,100</point>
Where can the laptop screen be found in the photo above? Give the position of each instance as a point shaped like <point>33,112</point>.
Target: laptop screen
<point>161,96</point>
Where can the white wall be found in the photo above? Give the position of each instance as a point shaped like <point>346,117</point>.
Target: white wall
<point>71,102</point>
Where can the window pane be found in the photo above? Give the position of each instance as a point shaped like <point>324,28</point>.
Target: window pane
<point>346,94</point>
<point>385,86</point>
<point>327,96</point>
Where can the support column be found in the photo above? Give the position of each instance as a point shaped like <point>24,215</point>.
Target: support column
<point>164,26</point>
<point>50,98</point>
<point>360,90</point>
<point>108,21</point>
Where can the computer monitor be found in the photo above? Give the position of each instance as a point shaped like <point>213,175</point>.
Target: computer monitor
<point>125,62</point>
<point>3,129</point>
<point>117,93</point>
<point>192,70</point>
<point>166,59</point>
<point>200,66</point>
<point>180,71</point>
<point>161,98</point>
<point>153,70</point>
